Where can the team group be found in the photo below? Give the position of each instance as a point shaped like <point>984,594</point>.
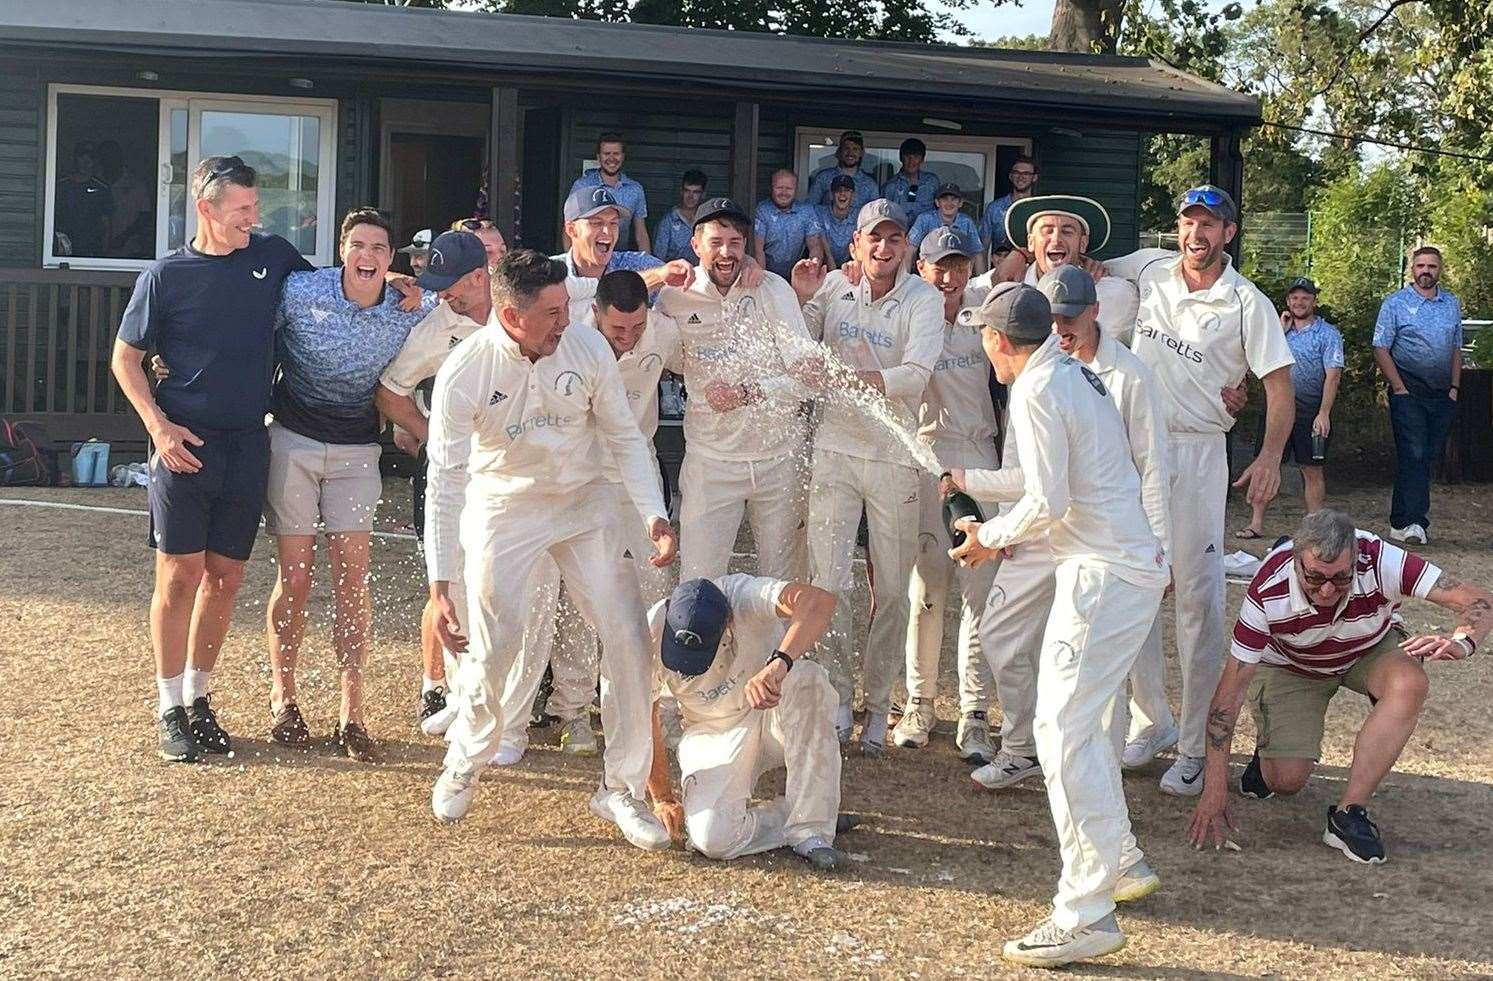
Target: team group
<point>1108,490</point>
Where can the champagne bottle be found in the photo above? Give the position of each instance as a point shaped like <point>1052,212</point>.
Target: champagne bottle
<point>957,506</point>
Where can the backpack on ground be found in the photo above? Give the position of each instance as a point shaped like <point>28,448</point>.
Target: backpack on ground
<point>23,461</point>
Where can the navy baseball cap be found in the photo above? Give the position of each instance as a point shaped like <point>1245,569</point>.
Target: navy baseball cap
<point>694,620</point>
<point>587,201</point>
<point>1212,199</point>
<point>841,180</point>
<point>945,241</point>
<point>948,189</point>
<point>717,208</point>
<point>452,256</point>
<point>1301,283</point>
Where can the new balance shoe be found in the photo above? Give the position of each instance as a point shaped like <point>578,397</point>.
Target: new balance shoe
<point>916,725</point>
<point>206,733</point>
<point>1006,770</point>
<point>973,739</point>
<point>821,855</point>
<point>1351,832</point>
<point>844,722</point>
<point>1252,783</point>
<point>437,712</point>
<point>873,735</point>
<point>1049,945</point>
<point>177,744</point>
<point>1184,778</point>
<point>288,728</point>
<point>1145,747</point>
<point>576,736</point>
<point>1136,883</point>
<point>632,817</point>
<point>356,743</point>
<point>451,797</point>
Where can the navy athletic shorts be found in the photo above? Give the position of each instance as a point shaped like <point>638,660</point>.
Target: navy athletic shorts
<point>217,509</point>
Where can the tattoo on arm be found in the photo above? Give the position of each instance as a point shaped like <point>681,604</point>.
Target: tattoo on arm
<point>1221,727</point>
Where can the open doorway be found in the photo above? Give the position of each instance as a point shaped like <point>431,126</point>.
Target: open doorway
<point>431,171</point>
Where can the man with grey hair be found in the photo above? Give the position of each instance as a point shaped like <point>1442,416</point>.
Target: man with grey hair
<point>1322,614</point>
<point>208,310</point>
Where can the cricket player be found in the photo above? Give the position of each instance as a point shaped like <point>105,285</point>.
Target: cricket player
<point>956,421</point>
<point>750,703</point>
<point>888,330</point>
<point>1016,616</point>
<point>1201,326</point>
<point>742,423</point>
<point>642,342</point>
<point>1083,496</point>
<point>521,421</point>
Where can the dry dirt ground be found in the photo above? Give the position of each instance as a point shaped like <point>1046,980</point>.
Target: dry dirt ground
<point>303,864</point>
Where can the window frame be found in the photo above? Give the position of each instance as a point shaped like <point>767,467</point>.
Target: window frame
<point>194,103</point>
<point>806,138</point>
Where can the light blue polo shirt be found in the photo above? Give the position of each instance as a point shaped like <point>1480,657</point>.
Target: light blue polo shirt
<point>628,192</point>
<point>928,221</point>
<point>915,196</point>
<point>1421,334</point>
<point>836,233</point>
<point>993,223</point>
<point>784,233</point>
<point>671,239</point>
<point>866,188</point>
<point>1316,347</point>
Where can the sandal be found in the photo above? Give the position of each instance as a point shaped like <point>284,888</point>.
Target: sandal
<point>1248,533</point>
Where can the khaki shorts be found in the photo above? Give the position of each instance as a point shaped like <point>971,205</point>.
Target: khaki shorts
<point>1290,709</point>
<point>316,486</point>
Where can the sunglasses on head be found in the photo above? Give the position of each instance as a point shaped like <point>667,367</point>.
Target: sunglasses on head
<point>1342,580</point>
<point>472,225</point>
<point>226,166</point>
<point>1204,195</point>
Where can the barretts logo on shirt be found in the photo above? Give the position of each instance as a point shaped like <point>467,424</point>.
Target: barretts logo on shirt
<point>565,382</point>
<point>497,397</point>
<point>694,318</point>
<point>260,273</point>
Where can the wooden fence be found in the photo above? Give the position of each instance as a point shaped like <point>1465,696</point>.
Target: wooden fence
<point>57,330</point>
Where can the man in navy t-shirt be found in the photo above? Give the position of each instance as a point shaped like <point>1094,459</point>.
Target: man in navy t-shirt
<point>209,310</point>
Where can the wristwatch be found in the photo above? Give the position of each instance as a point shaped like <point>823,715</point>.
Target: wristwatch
<point>781,656</point>
<point>1468,644</point>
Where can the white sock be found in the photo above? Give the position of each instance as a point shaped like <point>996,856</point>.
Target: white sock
<point>168,690</point>
<point>196,685</point>
<point>431,684</point>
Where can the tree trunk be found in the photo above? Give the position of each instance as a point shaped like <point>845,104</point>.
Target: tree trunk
<point>1085,26</point>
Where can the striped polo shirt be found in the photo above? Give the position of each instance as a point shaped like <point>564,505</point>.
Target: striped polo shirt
<point>1278,625</point>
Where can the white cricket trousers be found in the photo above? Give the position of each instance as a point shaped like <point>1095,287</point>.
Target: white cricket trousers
<point>713,497</point>
<point>565,641</point>
<point>1199,494</point>
<point>1017,608</point>
<point>720,764</point>
<point>1094,632</point>
<point>927,597</point>
<point>841,487</point>
<point>503,538</point>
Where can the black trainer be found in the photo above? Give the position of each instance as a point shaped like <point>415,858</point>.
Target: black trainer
<point>208,735</point>
<point>1253,784</point>
<point>1351,832</point>
<point>847,822</point>
<point>177,744</point>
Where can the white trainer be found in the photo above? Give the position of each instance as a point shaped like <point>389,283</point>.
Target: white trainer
<point>632,817</point>
<point>1006,770</point>
<point>1184,778</point>
<point>1049,945</point>
<point>973,739</point>
<point>1416,535</point>
<point>576,736</point>
<point>1152,741</point>
<point>1401,535</point>
<point>1136,883</point>
<point>509,753</point>
<point>873,735</point>
<point>844,722</point>
<point>452,795</point>
<point>916,724</point>
<point>440,720</point>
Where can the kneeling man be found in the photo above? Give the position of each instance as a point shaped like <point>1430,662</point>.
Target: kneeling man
<point>749,704</point>
<point>1322,614</point>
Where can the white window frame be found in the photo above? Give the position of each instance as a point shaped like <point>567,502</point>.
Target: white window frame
<point>806,138</point>
<point>193,103</point>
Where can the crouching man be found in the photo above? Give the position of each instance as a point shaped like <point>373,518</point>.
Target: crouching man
<point>749,704</point>
<point>1322,614</point>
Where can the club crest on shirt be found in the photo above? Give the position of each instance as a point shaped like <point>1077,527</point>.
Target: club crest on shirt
<point>566,381</point>
<point>1208,322</point>
<point>320,315</point>
<point>650,359</point>
<point>1093,380</point>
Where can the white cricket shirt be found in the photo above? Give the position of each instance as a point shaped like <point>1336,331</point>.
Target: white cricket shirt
<point>957,417</point>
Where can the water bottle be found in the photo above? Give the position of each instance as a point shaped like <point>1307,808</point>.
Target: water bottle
<point>1319,447</point>
<point>957,506</point>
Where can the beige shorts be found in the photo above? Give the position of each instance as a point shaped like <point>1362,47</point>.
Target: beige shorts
<point>316,486</point>
<point>1290,709</point>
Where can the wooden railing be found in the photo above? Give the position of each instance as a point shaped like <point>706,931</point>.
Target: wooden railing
<point>57,330</point>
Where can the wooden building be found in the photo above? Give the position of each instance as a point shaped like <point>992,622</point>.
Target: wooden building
<point>429,115</point>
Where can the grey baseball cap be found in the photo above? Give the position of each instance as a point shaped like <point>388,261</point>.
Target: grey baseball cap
<point>587,201</point>
<point>1017,310</point>
<point>1069,290</point>
<point>943,242</point>
<point>873,213</point>
<point>1214,200</point>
